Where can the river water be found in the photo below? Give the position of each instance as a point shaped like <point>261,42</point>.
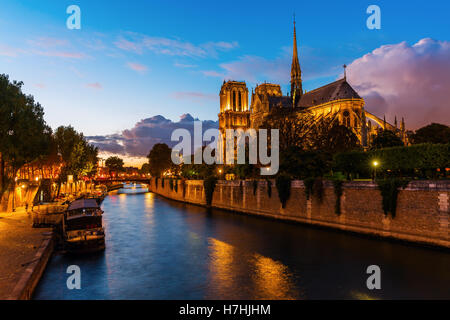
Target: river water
<point>161,249</point>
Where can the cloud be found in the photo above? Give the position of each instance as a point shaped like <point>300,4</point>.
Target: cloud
<point>139,140</point>
<point>182,65</point>
<point>9,51</point>
<point>47,42</point>
<point>139,44</point>
<point>194,96</point>
<point>253,68</point>
<point>137,67</point>
<point>409,81</point>
<point>95,85</point>
<point>60,54</point>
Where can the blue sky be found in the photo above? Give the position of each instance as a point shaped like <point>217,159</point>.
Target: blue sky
<point>135,59</point>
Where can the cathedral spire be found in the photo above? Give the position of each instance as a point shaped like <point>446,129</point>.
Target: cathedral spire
<point>296,73</point>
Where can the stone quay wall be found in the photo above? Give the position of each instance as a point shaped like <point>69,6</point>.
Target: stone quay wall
<point>422,216</point>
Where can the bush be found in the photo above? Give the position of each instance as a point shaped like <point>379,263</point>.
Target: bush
<point>209,185</point>
<point>283,184</point>
<point>338,191</point>
<point>269,188</point>
<point>318,189</point>
<point>420,160</point>
<point>389,191</point>
<point>309,184</point>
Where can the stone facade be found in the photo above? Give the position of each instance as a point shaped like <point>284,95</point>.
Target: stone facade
<point>422,212</point>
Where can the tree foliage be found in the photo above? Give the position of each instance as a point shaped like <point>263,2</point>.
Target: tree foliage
<point>24,133</point>
<point>114,164</point>
<point>159,159</point>
<point>79,157</point>
<point>386,139</point>
<point>432,133</point>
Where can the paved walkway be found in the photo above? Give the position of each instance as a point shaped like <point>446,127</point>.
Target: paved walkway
<point>19,243</point>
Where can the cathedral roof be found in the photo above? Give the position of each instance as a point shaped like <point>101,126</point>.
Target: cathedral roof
<point>337,90</point>
<point>279,101</point>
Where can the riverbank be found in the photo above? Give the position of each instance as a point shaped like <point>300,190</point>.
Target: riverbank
<point>24,253</point>
<point>422,214</point>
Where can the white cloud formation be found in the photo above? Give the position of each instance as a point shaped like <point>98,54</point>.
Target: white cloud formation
<point>410,81</point>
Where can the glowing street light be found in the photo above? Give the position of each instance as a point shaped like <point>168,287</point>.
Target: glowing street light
<point>375,164</point>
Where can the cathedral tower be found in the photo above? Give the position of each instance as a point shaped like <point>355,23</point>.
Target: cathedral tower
<point>296,74</point>
<point>234,109</point>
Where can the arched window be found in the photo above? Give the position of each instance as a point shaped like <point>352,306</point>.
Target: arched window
<point>234,100</point>
<point>240,101</point>
<point>346,118</point>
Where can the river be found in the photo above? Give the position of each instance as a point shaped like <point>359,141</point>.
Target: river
<point>161,249</point>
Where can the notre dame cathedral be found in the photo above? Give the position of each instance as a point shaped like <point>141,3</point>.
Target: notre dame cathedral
<point>337,100</point>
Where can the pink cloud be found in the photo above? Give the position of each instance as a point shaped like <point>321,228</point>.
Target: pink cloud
<point>405,81</point>
<point>95,85</point>
<point>194,96</point>
<point>137,67</point>
<point>61,54</point>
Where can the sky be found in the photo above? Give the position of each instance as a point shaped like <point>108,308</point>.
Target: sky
<point>137,66</point>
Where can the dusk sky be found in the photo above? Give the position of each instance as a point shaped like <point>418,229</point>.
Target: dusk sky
<point>134,60</point>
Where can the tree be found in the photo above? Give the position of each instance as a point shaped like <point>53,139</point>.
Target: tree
<point>114,164</point>
<point>159,159</point>
<point>79,157</point>
<point>145,169</point>
<point>386,139</point>
<point>24,133</point>
<point>327,135</point>
<point>432,133</point>
<point>293,127</point>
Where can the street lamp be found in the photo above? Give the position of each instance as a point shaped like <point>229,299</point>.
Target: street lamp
<point>375,164</point>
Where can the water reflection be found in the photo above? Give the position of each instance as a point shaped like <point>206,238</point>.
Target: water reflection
<point>160,249</point>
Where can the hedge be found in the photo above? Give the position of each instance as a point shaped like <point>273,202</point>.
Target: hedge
<point>400,161</point>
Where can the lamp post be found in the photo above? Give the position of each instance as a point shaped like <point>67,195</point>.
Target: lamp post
<point>375,164</point>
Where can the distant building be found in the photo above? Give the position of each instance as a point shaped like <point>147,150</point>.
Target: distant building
<point>336,100</point>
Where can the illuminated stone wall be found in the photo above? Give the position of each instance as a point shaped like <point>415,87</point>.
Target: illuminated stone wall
<point>422,212</point>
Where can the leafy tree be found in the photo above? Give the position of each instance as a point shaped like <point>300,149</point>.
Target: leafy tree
<point>159,159</point>
<point>114,164</point>
<point>293,127</point>
<point>303,164</point>
<point>78,156</point>
<point>386,139</point>
<point>145,169</point>
<point>327,135</point>
<point>432,133</point>
<point>24,133</point>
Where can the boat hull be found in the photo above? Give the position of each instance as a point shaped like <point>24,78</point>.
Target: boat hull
<point>85,246</point>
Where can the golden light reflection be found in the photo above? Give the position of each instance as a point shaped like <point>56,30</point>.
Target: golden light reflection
<point>273,280</point>
<point>230,267</point>
<point>149,201</point>
<point>362,296</point>
<point>221,260</point>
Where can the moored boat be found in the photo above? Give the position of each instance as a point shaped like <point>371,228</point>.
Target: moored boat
<point>82,227</point>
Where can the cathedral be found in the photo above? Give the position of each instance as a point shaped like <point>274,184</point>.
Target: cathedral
<point>336,100</point>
